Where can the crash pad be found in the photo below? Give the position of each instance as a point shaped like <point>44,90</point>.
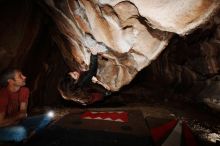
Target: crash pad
<point>75,129</point>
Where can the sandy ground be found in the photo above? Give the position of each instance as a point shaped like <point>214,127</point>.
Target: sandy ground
<point>204,123</point>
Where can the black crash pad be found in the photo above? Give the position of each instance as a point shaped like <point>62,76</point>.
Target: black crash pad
<point>72,130</point>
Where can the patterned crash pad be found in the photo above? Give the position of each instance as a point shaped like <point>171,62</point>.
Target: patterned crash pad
<point>117,116</point>
<point>97,128</point>
<point>171,132</point>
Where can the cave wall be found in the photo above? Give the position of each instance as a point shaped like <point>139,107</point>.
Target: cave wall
<point>44,65</point>
<point>187,70</point>
<point>25,43</point>
<point>19,27</point>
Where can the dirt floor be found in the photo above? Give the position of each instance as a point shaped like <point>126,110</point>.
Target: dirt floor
<point>204,123</point>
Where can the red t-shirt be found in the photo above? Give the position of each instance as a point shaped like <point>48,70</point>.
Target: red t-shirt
<point>10,102</point>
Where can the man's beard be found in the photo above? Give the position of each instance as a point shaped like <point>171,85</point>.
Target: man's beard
<point>20,84</point>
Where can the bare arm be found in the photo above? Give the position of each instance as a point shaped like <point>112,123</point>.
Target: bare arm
<point>2,120</point>
<point>6,121</point>
<point>87,77</point>
<point>95,80</point>
<point>23,107</point>
<point>15,119</point>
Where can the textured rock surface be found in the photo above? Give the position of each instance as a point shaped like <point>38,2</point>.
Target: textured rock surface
<point>128,36</point>
<point>123,32</point>
<point>174,16</point>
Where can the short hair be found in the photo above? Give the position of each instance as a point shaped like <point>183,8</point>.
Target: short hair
<point>70,90</point>
<point>6,75</point>
<point>68,83</point>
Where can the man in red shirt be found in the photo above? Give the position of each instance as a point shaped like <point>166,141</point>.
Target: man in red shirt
<point>14,124</point>
<point>13,98</point>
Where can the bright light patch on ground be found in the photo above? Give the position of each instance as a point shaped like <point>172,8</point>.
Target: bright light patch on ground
<point>50,114</point>
<point>213,137</point>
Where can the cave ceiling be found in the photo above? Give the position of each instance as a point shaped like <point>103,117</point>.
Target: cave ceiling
<point>129,36</point>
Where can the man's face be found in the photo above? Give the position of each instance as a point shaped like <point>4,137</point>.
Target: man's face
<point>19,79</point>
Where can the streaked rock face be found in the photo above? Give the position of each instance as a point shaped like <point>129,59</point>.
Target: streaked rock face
<point>128,34</point>
<point>174,16</point>
<point>211,53</point>
<point>211,93</point>
<point>193,65</point>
